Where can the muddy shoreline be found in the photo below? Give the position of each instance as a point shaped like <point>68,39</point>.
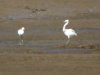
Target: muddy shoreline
<point>45,51</point>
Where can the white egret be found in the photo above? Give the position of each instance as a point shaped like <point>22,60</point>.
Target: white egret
<point>68,32</point>
<point>20,33</point>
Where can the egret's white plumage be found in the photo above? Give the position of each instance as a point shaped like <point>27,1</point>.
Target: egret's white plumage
<point>20,33</point>
<point>68,32</point>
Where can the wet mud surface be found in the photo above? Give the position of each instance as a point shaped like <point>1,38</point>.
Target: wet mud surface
<point>44,51</point>
<point>46,36</point>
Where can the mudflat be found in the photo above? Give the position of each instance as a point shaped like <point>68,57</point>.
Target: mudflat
<point>45,51</point>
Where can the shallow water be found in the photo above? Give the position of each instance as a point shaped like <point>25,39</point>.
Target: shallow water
<point>46,36</point>
<point>44,46</point>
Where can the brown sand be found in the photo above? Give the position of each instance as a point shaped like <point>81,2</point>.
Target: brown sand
<point>45,64</point>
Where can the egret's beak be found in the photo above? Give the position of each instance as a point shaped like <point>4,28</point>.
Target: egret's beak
<point>66,20</point>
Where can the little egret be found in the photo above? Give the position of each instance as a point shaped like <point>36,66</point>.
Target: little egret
<point>20,33</point>
<point>68,32</point>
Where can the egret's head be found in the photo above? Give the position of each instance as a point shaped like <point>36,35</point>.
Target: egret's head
<point>23,28</point>
<point>66,20</point>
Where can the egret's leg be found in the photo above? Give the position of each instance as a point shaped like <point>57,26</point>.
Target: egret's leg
<point>68,41</point>
<point>21,39</point>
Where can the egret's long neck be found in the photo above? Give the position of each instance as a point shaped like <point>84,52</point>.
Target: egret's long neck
<point>22,29</point>
<point>64,27</point>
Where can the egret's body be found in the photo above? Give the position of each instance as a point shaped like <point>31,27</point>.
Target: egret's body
<point>68,32</point>
<point>20,33</point>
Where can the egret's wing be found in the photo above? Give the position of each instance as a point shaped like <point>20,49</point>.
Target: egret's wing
<point>73,32</point>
